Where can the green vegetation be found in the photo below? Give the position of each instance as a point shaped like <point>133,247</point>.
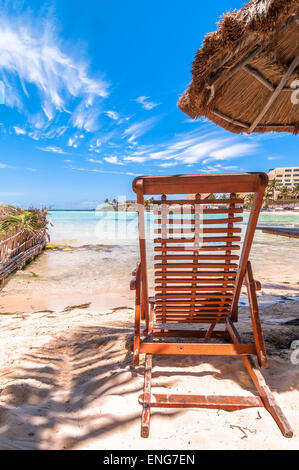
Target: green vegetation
<point>126,205</point>
<point>16,219</point>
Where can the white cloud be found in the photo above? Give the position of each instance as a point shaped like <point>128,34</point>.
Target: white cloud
<point>96,170</point>
<point>94,161</point>
<point>167,165</point>
<point>19,131</point>
<point>236,150</point>
<point>139,128</point>
<point>72,142</point>
<point>114,160</point>
<point>135,159</point>
<point>113,115</point>
<point>95,146</point>
<point>148,105</point>
<point>198,146</point>
<point>52,149</point>
<point>86,117</point>
<point>3,165</point>
<point>217,168</point>
<point>31,53</point>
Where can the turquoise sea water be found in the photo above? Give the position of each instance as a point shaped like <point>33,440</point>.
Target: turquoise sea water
<point>275,259</point>
<point>81,227</point>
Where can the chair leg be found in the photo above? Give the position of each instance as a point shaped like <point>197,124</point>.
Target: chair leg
<point>255,318</point>
<point>265,393</point>
<point>267,397</point>
<point>209,332</point>
<point>136,345</point>
<point>146,406</point>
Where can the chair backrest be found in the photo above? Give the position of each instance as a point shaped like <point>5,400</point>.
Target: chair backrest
<point>199,269</point>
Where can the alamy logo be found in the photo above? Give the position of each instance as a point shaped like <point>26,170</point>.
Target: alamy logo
<point>2,92</point>
<point>159,217</point>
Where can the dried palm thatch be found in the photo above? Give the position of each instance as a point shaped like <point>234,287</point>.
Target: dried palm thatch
<point>245,74</point>
<point>23,235</point>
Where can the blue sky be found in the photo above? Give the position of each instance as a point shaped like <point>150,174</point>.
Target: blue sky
<point>90,100</point>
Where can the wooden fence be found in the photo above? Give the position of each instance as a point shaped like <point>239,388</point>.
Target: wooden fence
<point>18,246</point>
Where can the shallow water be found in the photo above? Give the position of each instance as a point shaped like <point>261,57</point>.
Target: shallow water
<point>97,267</point>
<point>275,258</point>
<point>121,228</point>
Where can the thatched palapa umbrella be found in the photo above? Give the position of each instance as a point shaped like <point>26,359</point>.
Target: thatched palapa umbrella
<point>244,76</point>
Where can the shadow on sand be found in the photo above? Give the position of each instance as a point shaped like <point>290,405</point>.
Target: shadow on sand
<point>71,390</point>
<point>82,386</point>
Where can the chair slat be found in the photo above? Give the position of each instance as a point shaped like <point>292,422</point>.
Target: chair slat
<point>203,230</point>
<point>236,210</point>
<point>200,257</point>
<point>197,201</point>
<point>195,319</point>
<point>203,248</point>
<point>182,309</point>
<point>193,240</point>
<point>191,257</point>
<point>225,220</point>
<point>200,273</point>
<point>197,278</point>
<point>182,313</point>
<point>193,288</point>
<point>207,304</point>
<point>199,265</point>
<point>198,296</point>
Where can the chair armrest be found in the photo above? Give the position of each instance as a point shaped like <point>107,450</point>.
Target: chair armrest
<point>257,284</point>
<point>136,277</point>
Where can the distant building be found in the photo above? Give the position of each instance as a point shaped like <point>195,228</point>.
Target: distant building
<point>202,196</point>
<point>128,205</point>
<point>285,176</point>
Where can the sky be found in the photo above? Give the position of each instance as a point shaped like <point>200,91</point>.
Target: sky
<point>88,101</point>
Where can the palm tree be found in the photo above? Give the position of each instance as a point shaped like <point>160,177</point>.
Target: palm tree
<point>295,191</point>
<point>148,203</point>
<point>270,191</point>
<point>272,188</point>
<point>248,199</point>
<point>284,193</point>
<point>273,184</point>
<point>115,205</point>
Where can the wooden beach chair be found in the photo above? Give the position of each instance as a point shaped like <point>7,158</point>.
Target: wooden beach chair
<point>199,271</point>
